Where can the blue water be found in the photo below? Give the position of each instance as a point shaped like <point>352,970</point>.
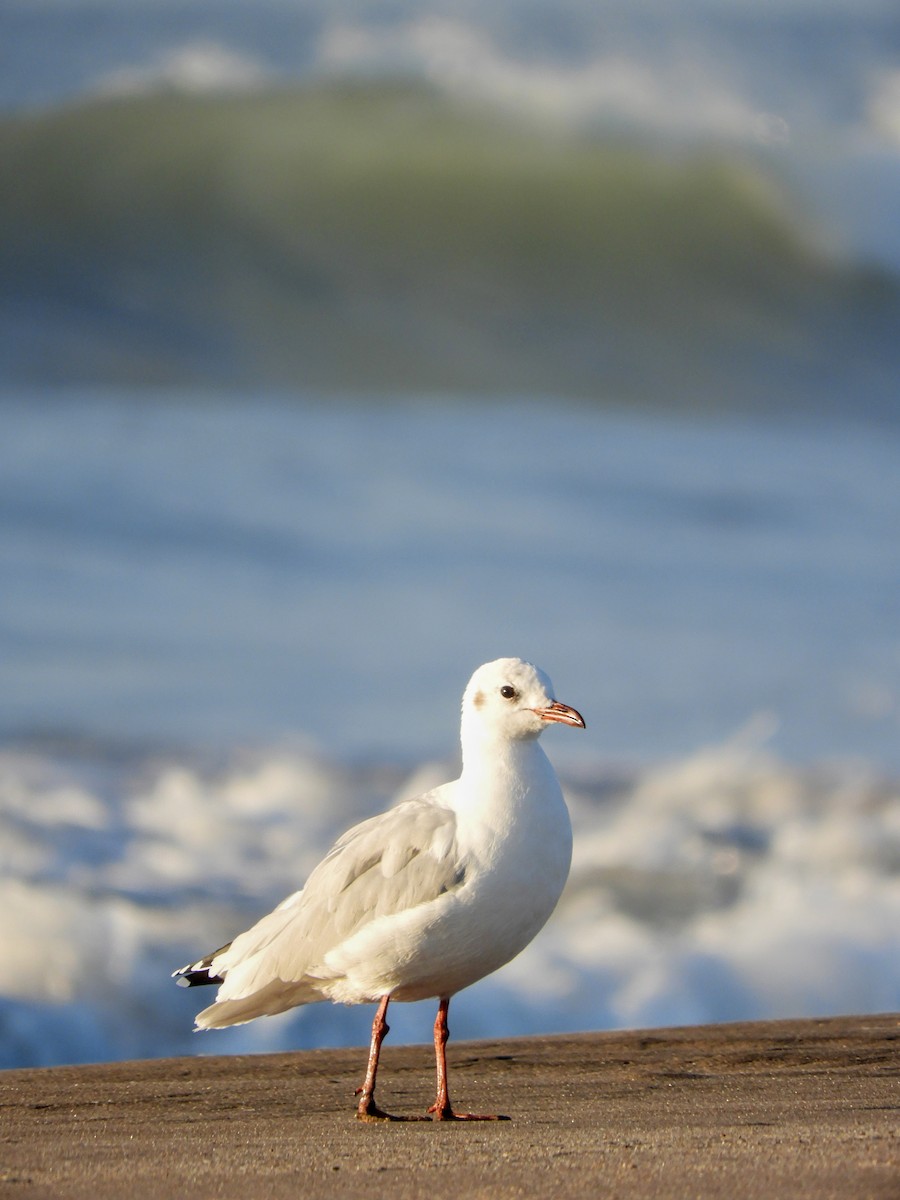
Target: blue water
<point>213,570</point>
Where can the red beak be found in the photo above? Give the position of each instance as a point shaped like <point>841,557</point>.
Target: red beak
<point>561,713</point>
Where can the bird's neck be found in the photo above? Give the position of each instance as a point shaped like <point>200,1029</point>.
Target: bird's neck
<point>503,769</point>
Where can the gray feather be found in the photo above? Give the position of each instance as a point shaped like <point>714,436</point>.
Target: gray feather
<point>383,866</point>
<point>391,863</point>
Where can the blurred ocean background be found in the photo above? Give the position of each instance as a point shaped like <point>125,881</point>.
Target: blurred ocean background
<point>346,346</point>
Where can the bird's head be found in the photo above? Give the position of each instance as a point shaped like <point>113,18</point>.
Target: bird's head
<point>510,700</point>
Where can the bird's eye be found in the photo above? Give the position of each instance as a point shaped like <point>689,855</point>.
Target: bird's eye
<point>507,692</point>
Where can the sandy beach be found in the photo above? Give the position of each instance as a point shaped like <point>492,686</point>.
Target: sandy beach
<point>766,1109</point>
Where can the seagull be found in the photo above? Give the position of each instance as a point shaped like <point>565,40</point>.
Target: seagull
<point>425,899</point>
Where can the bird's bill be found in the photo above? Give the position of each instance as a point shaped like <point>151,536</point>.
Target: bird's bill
<point>561,713</point>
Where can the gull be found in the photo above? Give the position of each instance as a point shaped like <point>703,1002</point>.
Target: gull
<point>425,899</point>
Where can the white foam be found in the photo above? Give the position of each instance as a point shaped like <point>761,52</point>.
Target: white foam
<point>672,97</point>
<point>722,886</point>
<point>197,67</point>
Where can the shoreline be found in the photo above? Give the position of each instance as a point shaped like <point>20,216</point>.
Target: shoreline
<point>796,1108</point>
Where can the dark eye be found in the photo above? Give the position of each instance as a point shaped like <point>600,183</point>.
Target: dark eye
<point>507,692</point>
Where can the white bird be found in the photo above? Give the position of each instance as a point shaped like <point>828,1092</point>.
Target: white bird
<point>426,898</point>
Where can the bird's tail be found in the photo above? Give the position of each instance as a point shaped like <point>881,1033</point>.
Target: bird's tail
<point>197,974</point>
<point>274,997</point>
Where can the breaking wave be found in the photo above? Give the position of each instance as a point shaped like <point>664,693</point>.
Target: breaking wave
<point>378,236</point>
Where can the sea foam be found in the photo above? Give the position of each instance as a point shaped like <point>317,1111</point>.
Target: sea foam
<point>721,886</point>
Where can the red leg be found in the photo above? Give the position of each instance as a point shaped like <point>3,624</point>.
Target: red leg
<point>442,1110</point>
<point>367,1109</point>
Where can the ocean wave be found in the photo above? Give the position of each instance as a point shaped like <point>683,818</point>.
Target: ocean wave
<point>679,96</point>
<point>722,886</point>
<point>381,237</point>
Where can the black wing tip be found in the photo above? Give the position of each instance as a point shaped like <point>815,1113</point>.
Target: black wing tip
<point>194,976</point>
<point>197,974</point>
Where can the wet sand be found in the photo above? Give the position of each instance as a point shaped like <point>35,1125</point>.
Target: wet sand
<point>774,1109</point>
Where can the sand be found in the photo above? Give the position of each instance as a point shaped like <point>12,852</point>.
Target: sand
<point>773,1109</point>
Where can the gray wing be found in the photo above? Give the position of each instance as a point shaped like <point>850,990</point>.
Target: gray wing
<point>391,863</point>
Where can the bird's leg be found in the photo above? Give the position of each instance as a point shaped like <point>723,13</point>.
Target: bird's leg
<point>442,1110</point>
<point>367,1109</point>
